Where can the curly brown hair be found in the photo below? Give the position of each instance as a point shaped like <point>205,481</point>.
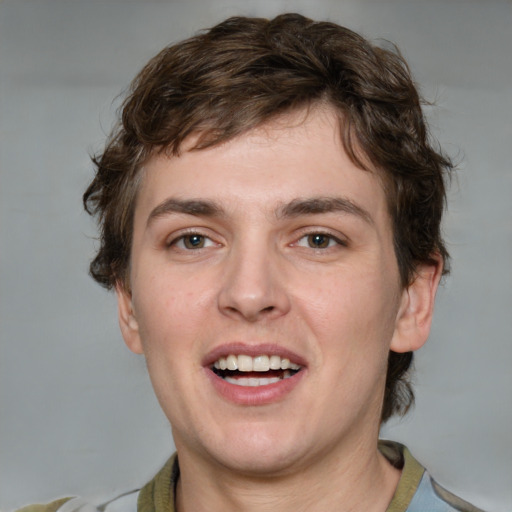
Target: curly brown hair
<point>243,73</point>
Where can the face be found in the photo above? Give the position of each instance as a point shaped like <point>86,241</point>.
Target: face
<point>265,296</point>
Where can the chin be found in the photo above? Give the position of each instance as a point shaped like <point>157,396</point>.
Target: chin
<point>260,453</point>
<point>258,463</point>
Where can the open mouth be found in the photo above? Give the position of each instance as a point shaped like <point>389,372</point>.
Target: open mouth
<point>262,370</point>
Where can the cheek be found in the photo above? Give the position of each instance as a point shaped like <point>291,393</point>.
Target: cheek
<point>172,323</point>
<point>170,312</point>
<point>352,310</point>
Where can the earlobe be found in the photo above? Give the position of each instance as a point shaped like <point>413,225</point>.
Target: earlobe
<point>127,320</point>
<point>414,317</point>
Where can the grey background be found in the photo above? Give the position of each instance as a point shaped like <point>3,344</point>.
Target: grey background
<point>77,412</point>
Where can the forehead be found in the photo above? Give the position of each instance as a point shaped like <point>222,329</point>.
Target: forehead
<point>295,156</point>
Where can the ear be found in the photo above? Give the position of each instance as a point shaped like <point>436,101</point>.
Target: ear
<point>127,319</point>
<point>414,317</point>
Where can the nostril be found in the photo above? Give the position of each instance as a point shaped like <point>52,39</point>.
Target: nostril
<point>250,313</point>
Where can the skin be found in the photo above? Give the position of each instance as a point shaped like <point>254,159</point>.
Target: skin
<point>258,278</point>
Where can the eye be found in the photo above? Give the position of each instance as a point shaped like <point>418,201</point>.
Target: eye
<point>319,241</point>
<point>191,241</point>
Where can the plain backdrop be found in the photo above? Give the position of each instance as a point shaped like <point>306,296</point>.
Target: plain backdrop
<point>78,416</point>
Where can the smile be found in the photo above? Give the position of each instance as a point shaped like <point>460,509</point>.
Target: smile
<point>263,370</point>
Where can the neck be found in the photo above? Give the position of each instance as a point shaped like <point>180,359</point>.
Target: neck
<point>358,480</point>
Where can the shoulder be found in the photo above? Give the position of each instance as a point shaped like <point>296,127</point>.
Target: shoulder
<point>61,505</point>
<point>417,491</point>
<point>431,496</point>
<point>126,502</point>
<point>48,507</point>
<point>157,494</point>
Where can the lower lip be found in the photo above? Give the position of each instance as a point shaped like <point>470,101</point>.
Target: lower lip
<point>254,395</point>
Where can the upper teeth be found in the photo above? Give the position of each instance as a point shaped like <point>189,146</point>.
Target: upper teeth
<point>261,363</point>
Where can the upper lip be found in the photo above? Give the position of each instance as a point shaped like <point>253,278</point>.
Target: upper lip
<point>253,351</point>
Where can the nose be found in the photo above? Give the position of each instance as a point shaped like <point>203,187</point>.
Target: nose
<point>253,286</point>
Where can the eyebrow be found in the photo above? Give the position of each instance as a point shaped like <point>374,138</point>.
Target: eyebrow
<point>295,208</point>
<point>197,207</point>
<point>319,205</point>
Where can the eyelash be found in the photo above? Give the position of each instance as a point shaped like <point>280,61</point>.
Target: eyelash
<point>331,240</point>
<point>180,241</point>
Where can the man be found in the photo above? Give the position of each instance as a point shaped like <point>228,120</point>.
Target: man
<point>270,211</point>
